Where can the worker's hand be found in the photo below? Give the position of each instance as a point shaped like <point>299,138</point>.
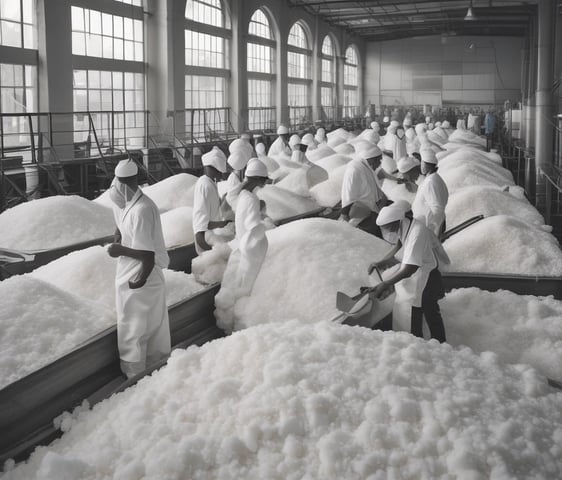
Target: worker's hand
<point>115,250</point>
<point>141,277</point>
<point>381,265</point>
<point>381,291</point>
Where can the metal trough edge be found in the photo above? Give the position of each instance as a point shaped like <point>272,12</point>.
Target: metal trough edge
<point>29,405</point>
<point>520,284</point>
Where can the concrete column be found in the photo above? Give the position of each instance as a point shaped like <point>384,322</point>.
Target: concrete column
<point>316,70</point>
<point>544,98</point>
<point>524,87</point>
<point>238,69</point>
<point>282,79</point>
<point>531,87</point>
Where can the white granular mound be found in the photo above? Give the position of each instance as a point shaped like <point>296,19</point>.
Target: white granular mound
<point>328,193</point>
<point>324,401</point>
<point>172,192</point>
<point>283,204</point>
<point>54,222</point>
<point>209,267</point>
<point>458,175</point>
<point>177,226</point>
<point>40,323</point>
<point>517,328</point>
<point>468,202</point>
<point>333,162</point>
<point>477,161</point>
<point>319,153</point>
<point>307,262</point>
<point>470,152</point>
<point>90,274</point>
<point>504,245</point>
<point>397,191</point>
<point>467,137</point>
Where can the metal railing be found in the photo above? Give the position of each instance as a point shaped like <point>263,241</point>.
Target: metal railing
<point>261,119</point>
<point>553,183</point>
<point>300,117</point>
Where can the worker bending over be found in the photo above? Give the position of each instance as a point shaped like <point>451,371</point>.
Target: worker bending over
<point>433,195</point>
<point>206,200</point>
<point>143,330</point>
<point>281,143</point>
<point>420,254</point>
<point>250,246</point>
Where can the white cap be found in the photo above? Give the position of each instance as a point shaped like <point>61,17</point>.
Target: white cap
<point>294,140</point>
<point>427,119</point>
<point>215,158</point>
<point>446,124</point>
<point>256,168</point>
<point>437,124</point>
<point>237,145</point>
<point>407,122</point>
<point>245,136</point>
<point>375,124</point>
<point>321,131</point>
<point>391,214</point>
<point>394,123</point>
<point>410,134</point>
<point>385,120</point>
<point>406,164</point>
<point>126,168</point>
<point>428,156</point>
<point>367,151</point>
<point>308,140</point>
<point>282,130</point>
<point>421,128</point>
<point>430,126</point>
<point>260,148</point>
<point>391,128</point>
<point>238,159</point>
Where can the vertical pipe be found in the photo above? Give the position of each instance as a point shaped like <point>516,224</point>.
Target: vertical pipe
<point>544,99</point>
<point>531,85</point>
<point>524,86</point>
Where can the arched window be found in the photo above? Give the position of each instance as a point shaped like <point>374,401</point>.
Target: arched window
<point>206,68</point>
<point>328,83</point>
<point>299,84</point>
<point>351,84</point>
<point>261,78</point>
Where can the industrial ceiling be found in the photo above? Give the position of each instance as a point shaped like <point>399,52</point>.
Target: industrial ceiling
<point>391,19</point>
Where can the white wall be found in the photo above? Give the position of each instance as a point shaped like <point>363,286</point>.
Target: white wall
<point>436,71</point>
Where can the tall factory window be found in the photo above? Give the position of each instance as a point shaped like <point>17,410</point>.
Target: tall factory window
<point>299,84</point>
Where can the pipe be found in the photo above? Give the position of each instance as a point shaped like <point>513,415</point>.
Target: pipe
<point>544,130</point>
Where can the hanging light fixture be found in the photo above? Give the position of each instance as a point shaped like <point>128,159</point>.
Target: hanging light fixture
<point>469,15</point>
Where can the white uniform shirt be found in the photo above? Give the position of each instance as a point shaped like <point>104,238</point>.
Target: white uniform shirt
<point>141,228</point>
<point>360,185</point>
<point>278,147</point>
<point>248,213</point>
<point>206,204</point>
<point>430,202</point>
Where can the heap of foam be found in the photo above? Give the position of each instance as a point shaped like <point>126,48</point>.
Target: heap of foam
<point>464,152</point>
<point>332,162</point>
<point>518,329</point>
<point>283,204</point>
<point>468,202</point>
<point>316,401</point>
<point>172,192</point>
<point>460,174</point>
<point>40,323</point>
<point>397,191</point>
<point>177,227</point>
<point>504,245</point>
<point>319,153</point>
<point>90,274</point>
<point>54,222</point>
<point>307,263</point>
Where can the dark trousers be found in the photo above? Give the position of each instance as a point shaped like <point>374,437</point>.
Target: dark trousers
<point>489,141</point>
<point>369,225</point>
<point>432,292</point>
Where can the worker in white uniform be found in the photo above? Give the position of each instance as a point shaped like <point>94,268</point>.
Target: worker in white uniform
<point>250,246</point>
<point>420,254</point>
<point>361,195</point>
<point>206,200</point>
<point>281,143</point>
<point>320,136</point>
<point>409,170</point>
<point>432,196</point>
<point>240,152</point>
<point>143,330</point>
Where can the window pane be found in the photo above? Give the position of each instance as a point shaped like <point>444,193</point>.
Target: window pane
<point>11,34</point>
<point>107,24</point>
<point>7,75</point>
<point>117,80</point>
<point>105,80</point>
<point>80,100</point>
<point>29,36</point>
<point>118,49</point>
<point>95,22</point>
<point>28,11</point>
<point>10,10</point>
<point>118,26</point>
<point>128,28</point>
<point>129,50</point>
<point>94,79</point>
<point>107,47</point>
<point>80,79</point>
<point>77,19</point>
<point>138,30</point>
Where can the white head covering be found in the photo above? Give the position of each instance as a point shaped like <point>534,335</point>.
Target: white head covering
<point>256,168</point>
<point>375,126</point>
<point>407,122</point>
<point>430,126</point>
<point>294,140</point>
<point>421,128</point>
<point>215,158</point>
<point>445,124</point>
<point>260,149</point>
<point>427,119</point>
<point>126,168</point>
<point>390,214</point>
<point>410,134</point>
<point>437,124</point>
<point>367,150</point>
<point>406,164</point>
<point>308,140</point>
<point>391,129</point>
<point>238,159</point>
<point>394,123</point>
<point>428,156</point>
<point>282,130</point>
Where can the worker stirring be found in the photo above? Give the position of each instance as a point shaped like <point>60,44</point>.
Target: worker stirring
<point>418,281</point>
<point>143,330</point>
<point>206,200</point>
